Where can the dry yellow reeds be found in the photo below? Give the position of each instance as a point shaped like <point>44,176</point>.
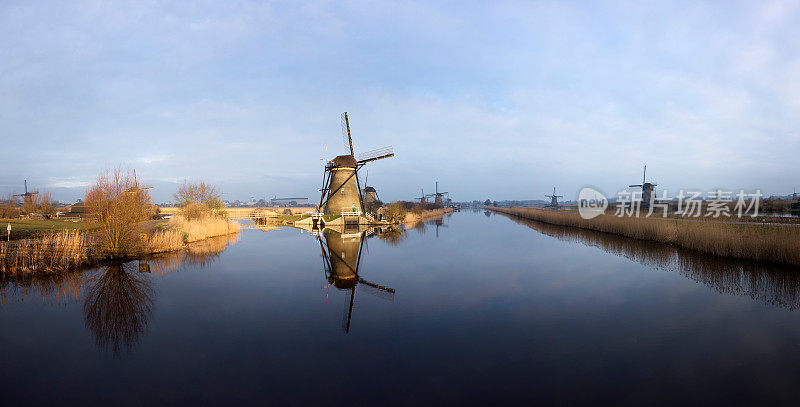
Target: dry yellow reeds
<point>51,253</point>
<point>202,228</point>
<point>779,244</point>
<point>167,240</point>
<point>413,218</point>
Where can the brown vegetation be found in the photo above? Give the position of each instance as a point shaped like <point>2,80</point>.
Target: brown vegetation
<point>52,253</point>
<point>415,217</point>
<point>119,205</point>
<point>779,244</point>
<point>8,209</point>
<point>195,198</point>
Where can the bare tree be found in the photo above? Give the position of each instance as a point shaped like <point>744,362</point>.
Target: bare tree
<point>198,199</point>
<point>118,203</point>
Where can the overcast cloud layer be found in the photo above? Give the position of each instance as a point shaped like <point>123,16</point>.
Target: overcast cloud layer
<point>493,99</point>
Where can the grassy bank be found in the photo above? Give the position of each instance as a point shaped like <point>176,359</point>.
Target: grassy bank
<point>73,249</point>
<point>179,231</point>
<point>779,244</point>
<point>31,228</point>
<point>51,253</point>
<point>413,218</point>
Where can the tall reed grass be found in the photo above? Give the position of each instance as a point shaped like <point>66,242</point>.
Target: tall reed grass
<point>51,253</point>
<point>778,244</point>
<point>413,217</point>
<point>202,228</point>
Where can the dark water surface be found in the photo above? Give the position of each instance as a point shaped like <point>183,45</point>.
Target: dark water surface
<point>485,309</point>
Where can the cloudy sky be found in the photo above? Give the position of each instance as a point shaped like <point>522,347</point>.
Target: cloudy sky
<point>493,99</point>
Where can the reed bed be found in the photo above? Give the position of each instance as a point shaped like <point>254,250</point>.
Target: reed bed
<point>49,254</point>
<point>203,228</point>
<point>778,244</point>
<point>414,218</point>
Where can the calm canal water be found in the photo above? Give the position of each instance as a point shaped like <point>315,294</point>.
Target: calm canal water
<point>481,308</point>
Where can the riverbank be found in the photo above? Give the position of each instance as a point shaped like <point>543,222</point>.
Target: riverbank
<point>412,218</point>
<point>69,250</point>
<point>770,243</point>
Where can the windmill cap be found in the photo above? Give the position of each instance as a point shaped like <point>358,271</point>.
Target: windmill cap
<point>345,161</point>
<point>369,189</point>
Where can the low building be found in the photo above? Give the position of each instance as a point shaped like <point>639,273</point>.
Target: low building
<point>78,207</point>
<point>289,201</point>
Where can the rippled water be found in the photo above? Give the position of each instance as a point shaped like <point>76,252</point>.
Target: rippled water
<point>470,309</point>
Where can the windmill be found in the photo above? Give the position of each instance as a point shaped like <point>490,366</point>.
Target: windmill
<point>135,189</point>
<point>341,189</point>
<point>27,197</point>
<point>553,200</point>
<point>437,196</point>
<point>370,194</point>
<point>422,198</point>
<point>647,189</point>
<point>341,260</point>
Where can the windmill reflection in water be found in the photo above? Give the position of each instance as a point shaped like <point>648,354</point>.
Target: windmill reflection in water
<point>341,259</point>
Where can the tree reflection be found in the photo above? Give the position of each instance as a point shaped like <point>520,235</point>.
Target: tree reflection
<point>118,306</point>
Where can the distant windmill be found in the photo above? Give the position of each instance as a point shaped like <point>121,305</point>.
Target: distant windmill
<point>422,198</point>
<point>647,189</point>
<point>27,196</point>
<point>135,189</point>
<point>437,196</point>
<point>341,189</point>
<point>370,193</point>
<point>554,200</point>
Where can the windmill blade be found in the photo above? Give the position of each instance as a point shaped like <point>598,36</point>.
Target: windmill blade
<point>377,290</point>
<point>347,314</point>
<point>346,137</point>
<point>375,155</point>
<point>631,186</point>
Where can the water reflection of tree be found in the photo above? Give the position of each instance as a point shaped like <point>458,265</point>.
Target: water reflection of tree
<point>118,306</point>
<point>392,236</point>
<point>117,299</point>
<point>768,283</point>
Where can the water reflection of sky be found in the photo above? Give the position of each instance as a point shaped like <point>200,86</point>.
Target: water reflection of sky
<point>491,310</point>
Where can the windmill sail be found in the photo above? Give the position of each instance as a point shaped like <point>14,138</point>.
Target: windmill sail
<point>375,155</point>
<point>347,138</point>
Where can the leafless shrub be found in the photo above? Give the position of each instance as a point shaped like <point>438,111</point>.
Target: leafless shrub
<point>198,192</point>
<point>8,209</point>
<point>394,212</point>
<point>119,205</point>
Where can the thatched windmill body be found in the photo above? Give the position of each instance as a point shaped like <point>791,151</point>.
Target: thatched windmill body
<point>438,196</point>
<point>647,189</point>
<point>341,190</point>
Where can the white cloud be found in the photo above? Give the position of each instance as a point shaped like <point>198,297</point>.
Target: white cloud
<point>70,184</point>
